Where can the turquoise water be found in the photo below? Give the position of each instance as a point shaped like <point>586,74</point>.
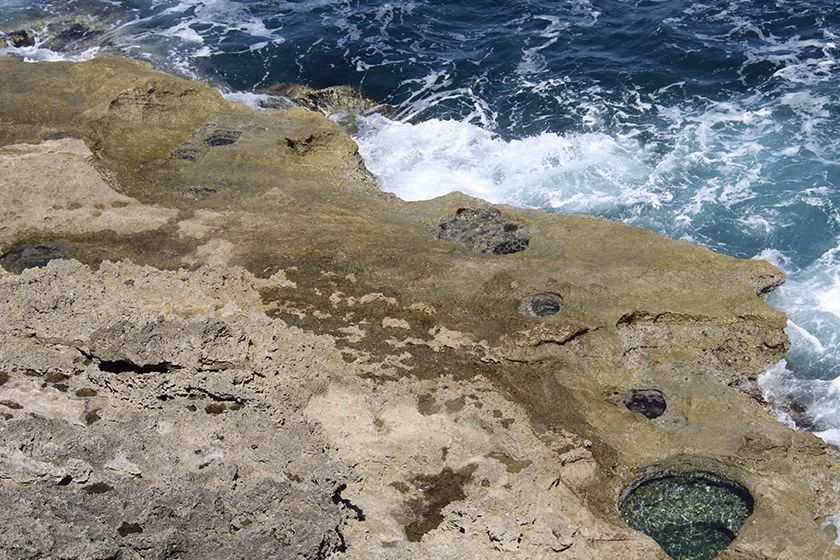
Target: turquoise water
<point>713,121</point>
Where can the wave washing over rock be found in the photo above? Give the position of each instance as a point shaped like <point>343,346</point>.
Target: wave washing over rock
<point>217,316</point>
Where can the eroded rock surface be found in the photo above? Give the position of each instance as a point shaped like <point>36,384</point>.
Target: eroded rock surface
<point>253,352</point>
<point>329,101</point>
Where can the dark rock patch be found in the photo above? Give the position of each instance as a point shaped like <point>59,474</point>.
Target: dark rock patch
<point>486,231</point>
<point>19,38</point>
<point>197,193</point>
<point>541,305</point>
<point>427,405</point>
<point>222,137</point>
<point>75,35</point>
<point>648,402</point>
<point>436,492</point>
<point>129,529</point>
<point>97,488</point>
<point>22,257</point>
<point>692,515</point>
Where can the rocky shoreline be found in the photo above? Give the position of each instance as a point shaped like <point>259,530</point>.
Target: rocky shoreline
<point>239,347</point>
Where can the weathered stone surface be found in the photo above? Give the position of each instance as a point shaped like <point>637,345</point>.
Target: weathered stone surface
<point>329,100</point>
<point>53,189</point>
<point>294,361</point>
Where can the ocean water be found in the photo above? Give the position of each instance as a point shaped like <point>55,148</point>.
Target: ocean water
<point>714,121</point>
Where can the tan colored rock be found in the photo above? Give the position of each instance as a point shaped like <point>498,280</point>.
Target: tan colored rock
<point>52,189</point>
<point>263,311</point>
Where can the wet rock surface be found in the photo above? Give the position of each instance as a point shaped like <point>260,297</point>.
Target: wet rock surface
<point>485,231</point>
<point>18,38</point>
<point>271,358</point>
<point>22,257</point>
<point>329,101</point>
<point>650,403</point>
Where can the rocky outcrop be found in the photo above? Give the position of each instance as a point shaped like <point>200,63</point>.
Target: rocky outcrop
<point>329,100</point>
<point>17,39</point>
<point>254,352</point>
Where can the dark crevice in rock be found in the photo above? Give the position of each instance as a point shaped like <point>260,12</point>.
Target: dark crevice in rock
<point>92,416</point>
<point>129,529</point>
<point>127,366</point>
<point>338,499</point>
<point>563,341</point>
<point>206,137</point>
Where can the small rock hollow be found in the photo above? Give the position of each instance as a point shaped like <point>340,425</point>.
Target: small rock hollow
<point>691,515</point>
<point>541,305</point>
<point>648,402</point>
<point>485,230</point>
<point>223,137</point>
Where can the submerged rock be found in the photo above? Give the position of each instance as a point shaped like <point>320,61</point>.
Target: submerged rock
<point>19,38</point>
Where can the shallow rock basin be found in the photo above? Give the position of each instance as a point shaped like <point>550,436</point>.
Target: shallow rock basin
<point>691,515</point>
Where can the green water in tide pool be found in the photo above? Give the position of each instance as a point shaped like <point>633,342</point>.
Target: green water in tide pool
<point>693,516</point>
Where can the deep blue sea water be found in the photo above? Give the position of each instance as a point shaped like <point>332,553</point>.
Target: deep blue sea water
<point>714,121</point>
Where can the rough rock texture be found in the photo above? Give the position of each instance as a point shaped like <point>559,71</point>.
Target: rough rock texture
<point>329,101</point>
<point>484,230</point>
<point>268,357</point>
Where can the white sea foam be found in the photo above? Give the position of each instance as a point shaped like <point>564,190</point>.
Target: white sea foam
<point>250,99</point>
<point>574,172</point>
<point>39,54</point>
